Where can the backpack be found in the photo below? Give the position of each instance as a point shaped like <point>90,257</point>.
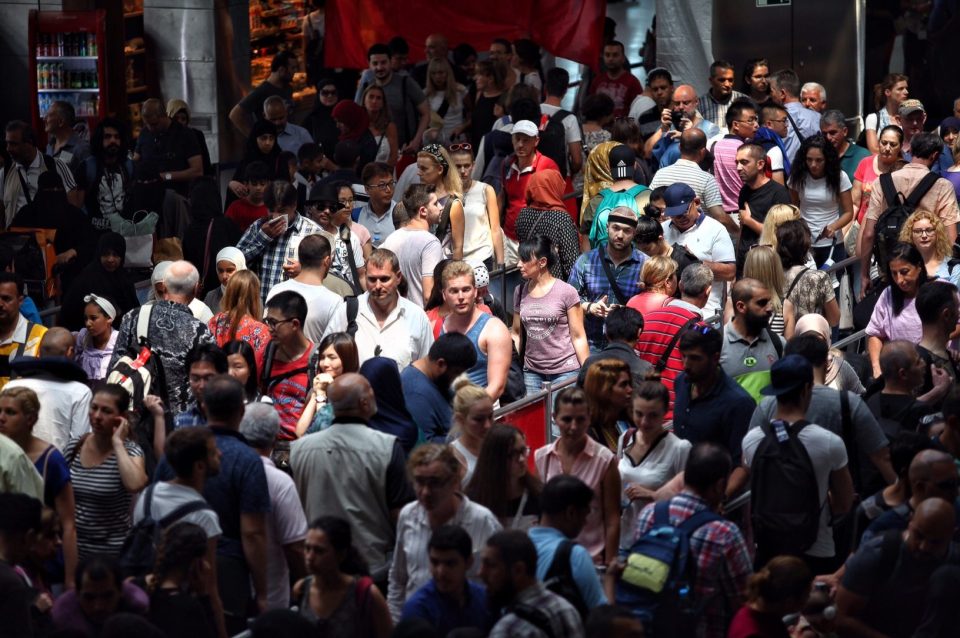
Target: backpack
<point>496,149</point>
<point>268,381</point>
<point>30,260</point>
<point>892,218</point>
<point>784,497</point>
<point>768,139</point>
<point>559,578</point>
<point>657,580</point>
<point>138,374</point>
<point>553,139</point>
<point>610,200</point>
<point>138,554</point>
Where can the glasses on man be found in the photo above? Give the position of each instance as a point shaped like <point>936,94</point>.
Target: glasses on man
<point>382,186</point>
<point>273,323</point>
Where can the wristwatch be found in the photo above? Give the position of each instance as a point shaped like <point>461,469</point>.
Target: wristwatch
<point>167,176</point>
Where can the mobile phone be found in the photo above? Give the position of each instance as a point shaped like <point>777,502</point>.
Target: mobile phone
<point>676,117</point>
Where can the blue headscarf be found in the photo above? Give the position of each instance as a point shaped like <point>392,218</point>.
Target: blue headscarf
<point>392,416</point>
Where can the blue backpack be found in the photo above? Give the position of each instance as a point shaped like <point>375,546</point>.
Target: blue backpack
<point>657,581</point>
<point>612,199</point>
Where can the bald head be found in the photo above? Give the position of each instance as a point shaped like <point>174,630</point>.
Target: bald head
<point>931,528</point>
<point>152,107</point>
<point>932,474</point>
<point>436,46</point>
<point>181,280</point>
<point>924,464</point>
<point>57,342</point>
<point>685,99</point>
<point>745,289</point>
<point>692,142</point>
<point>897,356</point>
<point>350,394</point>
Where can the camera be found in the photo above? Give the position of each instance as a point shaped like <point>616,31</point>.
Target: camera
<point>676,117</point>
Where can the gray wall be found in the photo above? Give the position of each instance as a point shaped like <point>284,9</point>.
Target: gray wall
<point>15,56</point>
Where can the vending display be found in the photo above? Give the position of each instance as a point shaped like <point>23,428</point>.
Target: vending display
<point>275,26</point>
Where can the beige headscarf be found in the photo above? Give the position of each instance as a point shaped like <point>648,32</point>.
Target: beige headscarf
<point>818,324</point>
<point>596,173</point>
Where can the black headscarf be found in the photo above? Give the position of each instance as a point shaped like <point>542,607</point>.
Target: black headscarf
<point>392,416</point>
<point>94,278</point>
<point>320,123</point>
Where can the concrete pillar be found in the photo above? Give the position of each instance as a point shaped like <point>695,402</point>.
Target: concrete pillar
<point>15,56</point>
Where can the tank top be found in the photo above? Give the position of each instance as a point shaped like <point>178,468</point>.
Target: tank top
<point>477,241</point>
<point>478,373</point>
<point>350,620</point>
<point>468,457</point>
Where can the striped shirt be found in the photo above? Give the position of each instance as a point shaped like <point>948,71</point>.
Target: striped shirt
<point>659,328</point>
<point>714,111</point>
<point>563,618</point>
<point>687,172</point>
<point>725,170</point>
<point>102,502</point>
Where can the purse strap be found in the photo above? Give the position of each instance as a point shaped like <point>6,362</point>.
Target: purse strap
<point>206,253</point>
<point>621,298</point>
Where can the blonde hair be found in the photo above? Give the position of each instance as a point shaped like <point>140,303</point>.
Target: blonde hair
<point>451,178</point>
<point>450,92</point>
<point>942,247</point>
<point>656,271</point>
<point>241,299</point>
<point>456,269</point>
<point>777,214</point>
<point>465,395</point>
<point>383,119</point>
<point>763,264</point>
<point>431,453</point>
<point>25,398</point>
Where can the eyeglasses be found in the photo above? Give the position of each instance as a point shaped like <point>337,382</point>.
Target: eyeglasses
<point>923,231</point>
<point>273,323</point>
<point>382,186</point>
<point>460,147</point>
<point>328,93</point>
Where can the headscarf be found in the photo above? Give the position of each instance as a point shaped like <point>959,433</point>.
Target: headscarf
<point>104,304</point>
<point>545,190</point>
<point>234,256</point>
<point>320,122</point>
<point>353,117</point>
<point>95,280</point>
<point>596,175</point>
<point>392,416</point>
<point>205,202</point>
<point>812,322</point>
<point>252,151</point>
<point>174,106</point>
<point>111,242</point>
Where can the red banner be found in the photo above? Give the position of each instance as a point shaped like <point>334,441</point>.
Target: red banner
<point>572,29</point>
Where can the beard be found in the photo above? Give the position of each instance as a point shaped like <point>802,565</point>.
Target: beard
<point>756,323</point>
<point>111,150</point>
<point>496,601</point>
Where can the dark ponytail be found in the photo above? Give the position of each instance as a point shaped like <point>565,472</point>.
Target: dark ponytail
<point>539,247</point>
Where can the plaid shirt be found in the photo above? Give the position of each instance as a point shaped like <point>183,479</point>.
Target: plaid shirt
<point>560,614</point>
<point>723,562</point>
<point>714,111</point>
<point>591,283</point>
<point>271,252</point>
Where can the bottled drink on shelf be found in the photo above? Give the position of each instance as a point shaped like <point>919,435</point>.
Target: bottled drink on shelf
<point>91,44</point>
<point>42,76</point>
<point>81,44</point>
<point>59,44</point>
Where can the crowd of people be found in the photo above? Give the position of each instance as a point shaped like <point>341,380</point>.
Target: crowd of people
<point>294,432</point>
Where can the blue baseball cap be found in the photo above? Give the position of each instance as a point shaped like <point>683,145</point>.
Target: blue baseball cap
<point>678,197</point>
<point>788,374</point>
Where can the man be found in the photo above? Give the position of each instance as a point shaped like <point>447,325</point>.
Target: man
<point>616,80</point>
<point>60,383</point>
<point>355,472</point>
<point>663,144</point>
<point>20,180</point>
<point>757,196</point>
<point>802,122</point>
<point>949,439</point>
<point>282,69</point>
<point>913,117</point>
<point>246,210</point>
<point>600,292</point>
<point>310,161</point>
<point>520,166</point>
<point>63,143</point>
<point>622,191</point>
<point>723,563</point>
<point>198,309</point>
<point>791,382</point>
<point>100,594</point>
<point>17,472</point>
<point>886,583</point>
<point>899,405</point>
<point>333,217</point>
<point>377,214</point>
<point>21,520</point>
<point>449,600</point>
<point>623,328</point>
<point>313,255</point>
<point>555,87</point>
<point>564,506</point>
<point>703,236</point>
<point>435,47</point>
<point>346,154</point>
<point>269,239</point>
<point>409,109</point>
<point>418,250</point>
<point>426,383</point>
<point>168,147</point>
<point>662,327</point>
<point>107,174</point>
<point>289,361</point>
<point>290,136</point>
<point>490,337</point>
<point>833,126</point>
<point>814,97</point>
<point>742,123</point>
<point>940,199</point>
<point>240,497</point>
<point>18,336</point>
<point>204,362</point>
<point>938,307</point>
<point>657,95</point>
<point>714,103</point>
<point>693,149</point>
<point>772,136</point>
<point>435,472</point>
<point>287,524</point>
<point>172,332</point>
<point>750,347</point>
<point>387,325</point>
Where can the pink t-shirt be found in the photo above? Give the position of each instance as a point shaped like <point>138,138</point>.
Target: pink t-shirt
<point>549,348</point>
<point>867,177</point>
<point>887,326</point>
<point>725,171</point>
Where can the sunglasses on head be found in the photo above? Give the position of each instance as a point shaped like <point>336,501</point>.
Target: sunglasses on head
<point>465,146</point>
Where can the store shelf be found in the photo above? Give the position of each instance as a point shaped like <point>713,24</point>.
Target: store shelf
<point>133,14</point>
<point>68,90</point>
<point>137,89</point>
<point>60,58</point>
<point>134,52</point>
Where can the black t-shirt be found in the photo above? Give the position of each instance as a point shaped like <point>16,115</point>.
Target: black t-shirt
<point>169,151</point>
<point>760,201</point>
<point>253,102</point>
<point>15,601</point>
<point>897,412</point>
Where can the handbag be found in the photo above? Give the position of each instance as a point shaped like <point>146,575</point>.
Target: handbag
<point>138,234</point>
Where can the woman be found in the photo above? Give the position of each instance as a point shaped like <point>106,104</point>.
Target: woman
<point>807,290</point>
<point>649,237</point>
<point>887,98</point>
<point>925,231</point>
<point>659,278</point>
<point>472,418</point>
<point>179,600</point>
<point>953,173</point>
<point>345,197</point>
<point>755,80</point>
<point>840,375</point>
<point>179,110</point>
<point>597,114</point>
<point>596,177</point>
<point>548,329</point>
<point>354,126</point>
<point>526,60</point>
<point>338,354</point>
<point>434,168</point>
<point>382,128</point>
<point>650,455</point>
<point>339,595</point>
<point>501,482</point>
<point>392,416</point>
<point>888,159</point>
<point>482,236</point>
<point>780,589</point>
<point>894,316</point>
<point>546,214</point>
<point>229,261</point>
<point>106,468</point>
<point>445,98</point>
<point>776,216</point>
<point>822,191</point>
<point>209,231</point>
<point>577,454</point>
<point>242,366</point>
<point>436,306</point>
<point>609,389</point>
<point>489,81</point>
<point>763,264</point>
<point>19,409</point>
<point>97,338</point>
<point>237,318</point>
<point>261,146</point>
<point>105,277</point>
<point>320,122</point>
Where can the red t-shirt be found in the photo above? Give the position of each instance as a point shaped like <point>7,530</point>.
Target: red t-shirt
<point>748,623</point>
<point>243,213</point>
<point>622,90</point>
<point>515,186</point>
<point>289,393</point>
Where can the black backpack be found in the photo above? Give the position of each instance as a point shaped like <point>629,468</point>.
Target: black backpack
<point>891,220</point>
<point>559,579</point>
<point>28,262</point>
<point>553,139</point>
<point>139,551</point>
<point>784,497</point>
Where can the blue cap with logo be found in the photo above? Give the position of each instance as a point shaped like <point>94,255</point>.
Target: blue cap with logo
<point>678,197</point>
<point>788,374</point>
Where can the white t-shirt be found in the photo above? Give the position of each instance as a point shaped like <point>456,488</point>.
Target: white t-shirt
<point>640,105</point>
<point>708,240</point>
<point>322,303</point>
<point>419,252</point>
<point>828,454</point>
<point>200,310</point>
<point>819,206</point>
<point>775,158</point>
<point>64,408</point>
<point>571,126</point>
<point>341,257</point>
<point>169,496</point>
<point>286,524</point>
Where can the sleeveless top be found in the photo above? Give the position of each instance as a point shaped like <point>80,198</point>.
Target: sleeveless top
<point>383,148</point>
<point>477,240</point>
<point>468,457</point>
<point>478,373</point>
<point>350,620</point>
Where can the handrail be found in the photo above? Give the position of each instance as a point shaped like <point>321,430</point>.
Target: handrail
<point>843,263</point>
<point>737,502</point>
<point>849,339</point>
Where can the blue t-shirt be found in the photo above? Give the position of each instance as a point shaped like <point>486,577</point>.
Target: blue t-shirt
<point>56,474</point>
<point>29,310</point>
<point>547,540</point>
<point>721,416</point>
<point>444,613</point>
<point>431,410</point>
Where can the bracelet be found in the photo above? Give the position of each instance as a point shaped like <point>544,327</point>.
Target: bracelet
<point>589,307</point>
